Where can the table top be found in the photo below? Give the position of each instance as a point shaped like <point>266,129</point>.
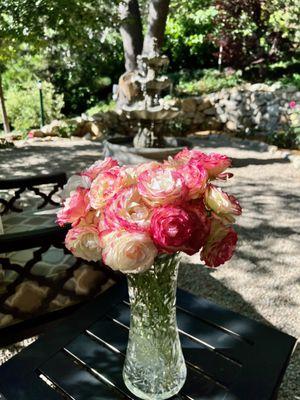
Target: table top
<point>228,356</point>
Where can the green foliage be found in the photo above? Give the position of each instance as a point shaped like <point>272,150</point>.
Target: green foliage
<point>293,80</point>
<point>289,137</point>
<point>286,139</point>
<point>23,105</point>
<point>102,106</point>
<point>22,95</point>
<point>187,30</point>
<point>67,129</point>
<point>205,81</point>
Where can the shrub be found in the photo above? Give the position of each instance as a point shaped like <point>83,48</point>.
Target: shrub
<point>206,81</point>
<point>23,105</point>
<point>102,106</point>
<point>289,138</point>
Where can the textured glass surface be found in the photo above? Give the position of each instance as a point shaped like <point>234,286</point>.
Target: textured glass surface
<point>154,366</point>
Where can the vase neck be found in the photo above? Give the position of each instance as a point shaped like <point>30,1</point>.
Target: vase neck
<point>153,293</point>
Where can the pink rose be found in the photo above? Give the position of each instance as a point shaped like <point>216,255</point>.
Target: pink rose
<point>104,187</point>
<point>100,166</point>
<point>128,252</point>
<point>220,245</point>
<point>223,205</point>
<point>292,104</point>
<point>83,242</point>
<point>127,210</point>
<point>214,163</point>
<point>75,207</point>
<point>204,220</point>
<point>162,186</point>
<point>175,228</point>
<point>195,178</point>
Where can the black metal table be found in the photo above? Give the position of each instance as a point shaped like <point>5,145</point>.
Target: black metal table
<point>228,356</point>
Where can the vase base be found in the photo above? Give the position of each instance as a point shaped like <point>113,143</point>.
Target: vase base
<point>154,396</point>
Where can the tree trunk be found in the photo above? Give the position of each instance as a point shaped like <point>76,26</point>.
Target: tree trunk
<point>3,109</point>
<point>157,18</point>
<point>131,31</point>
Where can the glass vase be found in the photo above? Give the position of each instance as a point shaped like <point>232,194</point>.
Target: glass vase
<point>154,366</point>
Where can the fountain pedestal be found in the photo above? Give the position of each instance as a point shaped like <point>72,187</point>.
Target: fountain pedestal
<point>151,111</point>
<point>122,149</point>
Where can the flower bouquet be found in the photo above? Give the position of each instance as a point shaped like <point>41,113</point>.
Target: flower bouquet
<point>137,219</point>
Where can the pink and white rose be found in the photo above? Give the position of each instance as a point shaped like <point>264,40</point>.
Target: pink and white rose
<point>162,186</point>
<point>195,178</point>
<point>220,245</point>
<point>214,163</point>
<point>74,182</point>
<point>223,205</point>
<point>128,252</point>
<point>99,166</point>
<point>84,242</point>
<point>127,210</point>
<point>75,207</point>
<point>104,187</point>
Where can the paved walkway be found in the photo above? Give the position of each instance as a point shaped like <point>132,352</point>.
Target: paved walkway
<point>263,279</point>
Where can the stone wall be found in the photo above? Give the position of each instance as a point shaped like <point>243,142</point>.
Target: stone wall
<point>250,108</point>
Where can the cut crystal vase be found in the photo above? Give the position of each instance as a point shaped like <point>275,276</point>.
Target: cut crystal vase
<point>154,366</point>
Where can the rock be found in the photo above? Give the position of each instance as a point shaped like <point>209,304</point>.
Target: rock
<point>52,128</point>
<point>205,104</point>
<point>257,99</point>
<point>295,160</point>
<point>210,111</point>
<point>231,126</point>
<point>223,118</point>
<point>35,133</point>
<point>257,118</point>
<point>199,118</point>
<point>93,128</point>
<point>272,149</point>
<point>236,96</point>
<point>258,87</point>
<point>291,89</point>
<point>189,105</point>
<point>214,124</point>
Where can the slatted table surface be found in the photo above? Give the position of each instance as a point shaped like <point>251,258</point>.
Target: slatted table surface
<point>228,356</point>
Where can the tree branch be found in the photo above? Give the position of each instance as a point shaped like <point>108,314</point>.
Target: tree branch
<point>157,18</point>
<point>131,31</point>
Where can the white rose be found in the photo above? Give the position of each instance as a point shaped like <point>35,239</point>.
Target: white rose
<point>83,242</point>
<point>128,252</point>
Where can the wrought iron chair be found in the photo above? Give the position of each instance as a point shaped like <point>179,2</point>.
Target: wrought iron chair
<point>31,297</point>
<point>40,281</point>
<point>32,184</point>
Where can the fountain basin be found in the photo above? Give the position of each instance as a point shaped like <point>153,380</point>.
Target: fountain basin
<point>121,148</point>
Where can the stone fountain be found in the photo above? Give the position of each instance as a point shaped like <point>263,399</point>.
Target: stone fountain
<point>151,111</point>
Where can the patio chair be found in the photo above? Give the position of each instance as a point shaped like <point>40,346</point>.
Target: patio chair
<point>32,292</point>
<point>40,280</point>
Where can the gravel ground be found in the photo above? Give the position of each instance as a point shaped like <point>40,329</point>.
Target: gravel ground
<point>262,280</point>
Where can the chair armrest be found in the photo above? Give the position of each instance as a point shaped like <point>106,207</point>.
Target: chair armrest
<point>32,184</point>
<point>30,239</point>
<point>24,182</point>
